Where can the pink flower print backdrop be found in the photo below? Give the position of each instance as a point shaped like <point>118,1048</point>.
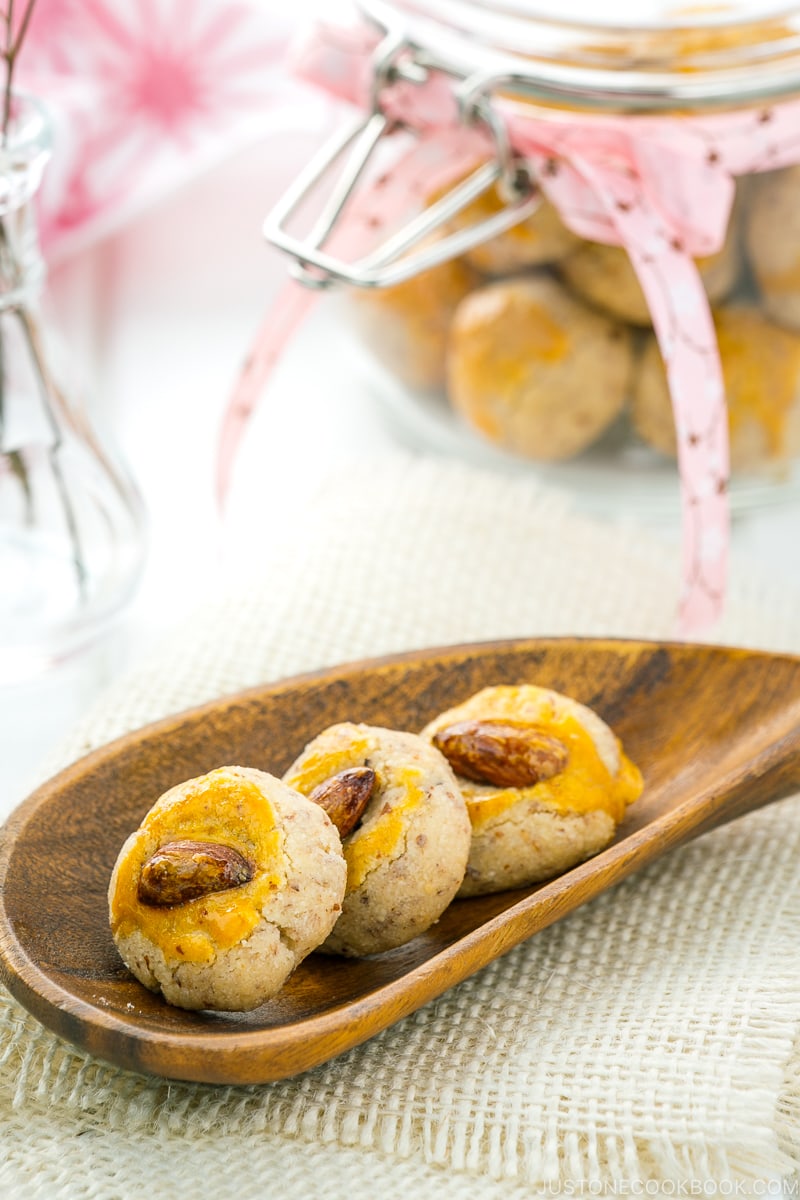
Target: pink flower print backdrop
<point>146,94</point>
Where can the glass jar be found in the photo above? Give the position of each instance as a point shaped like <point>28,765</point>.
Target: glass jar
<point>71,522</point>
<point>545,344</point>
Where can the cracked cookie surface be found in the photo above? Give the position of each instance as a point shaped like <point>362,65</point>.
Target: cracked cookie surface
<point>231,949</point>
<point>407,855</point>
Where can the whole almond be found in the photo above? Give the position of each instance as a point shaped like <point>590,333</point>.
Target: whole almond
<point>185,870</point>
<point>505,753</point>
<point>345,796</point>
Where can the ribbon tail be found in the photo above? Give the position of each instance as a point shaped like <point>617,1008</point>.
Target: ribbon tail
<point>283,319</point>
<point>685,330</point>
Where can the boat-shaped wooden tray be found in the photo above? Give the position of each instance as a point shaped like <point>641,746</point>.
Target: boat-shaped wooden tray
<point>715,731</point>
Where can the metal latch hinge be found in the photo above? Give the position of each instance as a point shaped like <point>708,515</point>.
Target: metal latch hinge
<point>413,247</point>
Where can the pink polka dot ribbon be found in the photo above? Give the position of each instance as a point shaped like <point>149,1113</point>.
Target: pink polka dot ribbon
<point>660,186</point>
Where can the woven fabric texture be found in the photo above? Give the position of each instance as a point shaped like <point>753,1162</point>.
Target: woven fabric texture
<point>652,1036</point>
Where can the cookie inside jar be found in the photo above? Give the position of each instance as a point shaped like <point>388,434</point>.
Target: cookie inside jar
<point>537,352</point>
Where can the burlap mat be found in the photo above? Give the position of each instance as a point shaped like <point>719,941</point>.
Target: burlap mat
<point>651,1039</point>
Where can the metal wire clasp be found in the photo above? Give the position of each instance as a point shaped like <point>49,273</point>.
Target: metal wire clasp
<point>349,150</point>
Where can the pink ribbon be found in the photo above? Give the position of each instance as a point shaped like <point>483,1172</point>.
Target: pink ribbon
<point>662,187</point>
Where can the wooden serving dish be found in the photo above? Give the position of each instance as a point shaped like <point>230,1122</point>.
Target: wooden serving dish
<point>716,732</point>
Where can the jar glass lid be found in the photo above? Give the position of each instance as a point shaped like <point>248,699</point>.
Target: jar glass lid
<point>646,54</point>
<point>643,13</point>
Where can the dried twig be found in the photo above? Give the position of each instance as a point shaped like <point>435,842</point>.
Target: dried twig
<point>11,49</point>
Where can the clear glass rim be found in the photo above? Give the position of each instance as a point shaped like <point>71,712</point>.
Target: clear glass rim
<point>713,57</point>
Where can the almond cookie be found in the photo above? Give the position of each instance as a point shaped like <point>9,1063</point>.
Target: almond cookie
<point>406,325</point>
<point>545,781</point>
<point>772,235</point>
<point>603,275</point>
<point>761,370</point>
<point>541,238</point>
<point>534,370</point>
<point>229,882</point>
<point>407,853</point>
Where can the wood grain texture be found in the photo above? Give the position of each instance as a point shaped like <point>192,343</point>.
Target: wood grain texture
<point>715,731</point>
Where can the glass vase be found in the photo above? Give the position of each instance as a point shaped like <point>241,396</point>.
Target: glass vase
<point>71,521</point>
